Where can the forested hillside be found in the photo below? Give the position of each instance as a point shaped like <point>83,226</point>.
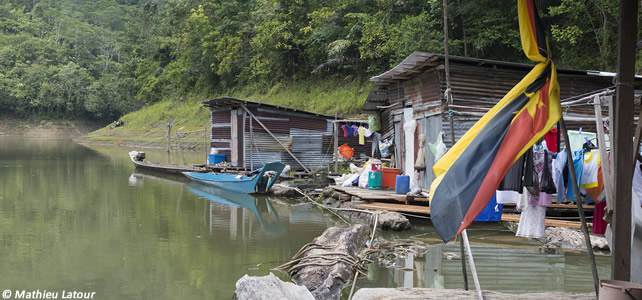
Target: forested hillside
<point>99,59</point>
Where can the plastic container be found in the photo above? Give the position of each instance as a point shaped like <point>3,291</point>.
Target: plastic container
<point>402,185</point>
<point>374,180</point>
<point>389,177</point>
<point>616,290</point>
<point>216,158</point>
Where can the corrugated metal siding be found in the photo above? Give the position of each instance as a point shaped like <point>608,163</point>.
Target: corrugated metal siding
<point>462,124</point>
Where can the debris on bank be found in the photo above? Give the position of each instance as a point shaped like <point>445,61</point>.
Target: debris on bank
<point>267,288</point>
<point>563,238</point>
<point>455,294</point>
<point>327,264</point>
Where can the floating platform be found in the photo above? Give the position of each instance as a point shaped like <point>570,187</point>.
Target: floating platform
<point>385,200</point>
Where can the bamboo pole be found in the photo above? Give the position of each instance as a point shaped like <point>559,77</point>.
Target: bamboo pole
<point>579,199</point>
<point>452,128</point>
<point>275,138</point>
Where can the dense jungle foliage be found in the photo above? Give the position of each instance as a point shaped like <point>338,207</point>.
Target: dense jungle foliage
<point>99,59</point>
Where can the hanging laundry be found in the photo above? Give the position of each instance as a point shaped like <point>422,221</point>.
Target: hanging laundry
<point>367,132</point>
<point>599,225</point>
<point>345,130</point>
<point>504,197</point>
<point>559,175</point>
<point>520,174</point>
<point>637,181</point>
<point>551,140</point>
<point>355,130</point>
<point>533,217</point>
<point>361,131</point>
<point>374,123</point>
<point>578,158</point>
<point>590,168</point>
<point>597,192</point>
<point>576,139</point>
<point>542,178</point>
<point>376,138</point>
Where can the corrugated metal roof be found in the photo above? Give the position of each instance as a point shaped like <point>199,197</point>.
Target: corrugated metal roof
<point>418,61</point>
<point>377,97</point>
<point>233,102</point>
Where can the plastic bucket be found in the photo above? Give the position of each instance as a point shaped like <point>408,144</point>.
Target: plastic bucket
<point>402,185</point>
<point>374,180</point>
<point>616,290</point>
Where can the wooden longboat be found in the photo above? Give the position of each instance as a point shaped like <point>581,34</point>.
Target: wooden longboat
<point>138,158</point>
<point>260,183</point>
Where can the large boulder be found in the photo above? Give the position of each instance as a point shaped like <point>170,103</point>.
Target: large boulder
<point>268,288</point>
<point>322,270</point>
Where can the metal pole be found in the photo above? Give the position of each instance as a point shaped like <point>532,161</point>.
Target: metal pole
<point>579,199</point>
<point>473,269</point>
<point>622,139</point>
<point>452,126</point>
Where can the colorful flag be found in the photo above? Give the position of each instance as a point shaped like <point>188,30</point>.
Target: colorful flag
<point>470,172</point>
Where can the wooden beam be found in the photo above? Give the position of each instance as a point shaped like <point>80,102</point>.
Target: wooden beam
<point>622,141</point>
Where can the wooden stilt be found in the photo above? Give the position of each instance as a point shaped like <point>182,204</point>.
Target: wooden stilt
<point>580,210</point>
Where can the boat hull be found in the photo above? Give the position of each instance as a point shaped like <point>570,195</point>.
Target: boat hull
<point>259,184</point>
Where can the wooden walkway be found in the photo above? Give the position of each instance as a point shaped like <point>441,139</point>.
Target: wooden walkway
<point>373,201</point>
<point>363,194</point>
<point>548,222</point>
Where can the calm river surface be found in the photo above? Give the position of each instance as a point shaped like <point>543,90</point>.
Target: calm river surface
<point>76,218</point>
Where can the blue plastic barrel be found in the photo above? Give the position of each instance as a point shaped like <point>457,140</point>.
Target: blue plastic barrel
<point>216,158</point>
<point>402,185</point>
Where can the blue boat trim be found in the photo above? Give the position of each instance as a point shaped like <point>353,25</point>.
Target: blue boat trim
<point>260,183</point>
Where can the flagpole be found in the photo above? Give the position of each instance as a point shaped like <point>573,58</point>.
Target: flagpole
<point>473,269</point>
<point>452,128</point>
<point>579,199</point>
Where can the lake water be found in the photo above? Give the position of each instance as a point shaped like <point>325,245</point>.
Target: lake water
<point>76,218</point>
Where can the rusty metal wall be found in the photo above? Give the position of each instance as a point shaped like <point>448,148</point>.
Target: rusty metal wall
<point>301,134</point>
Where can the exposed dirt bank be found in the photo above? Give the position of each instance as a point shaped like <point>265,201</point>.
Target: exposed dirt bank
<point>45,128</point>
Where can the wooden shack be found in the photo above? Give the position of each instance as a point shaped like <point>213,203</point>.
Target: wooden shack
<point>251,134</point>
<point>415,90</point>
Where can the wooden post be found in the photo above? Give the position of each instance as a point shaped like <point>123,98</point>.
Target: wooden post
<point>169,131</point>
<point>251,145</point>
<point>622,141</point>
<point>579,199</point>
<point>336,146</point>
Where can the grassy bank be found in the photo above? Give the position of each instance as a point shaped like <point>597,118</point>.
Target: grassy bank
<point>147,127</point>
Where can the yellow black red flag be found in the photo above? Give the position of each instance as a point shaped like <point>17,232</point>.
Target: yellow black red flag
<point>470,172</point>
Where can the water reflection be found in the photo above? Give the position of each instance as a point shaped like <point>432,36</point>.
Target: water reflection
<point>511,268</point>
<point>259,205</point>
